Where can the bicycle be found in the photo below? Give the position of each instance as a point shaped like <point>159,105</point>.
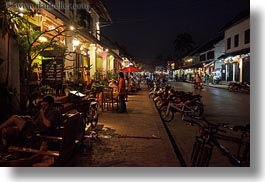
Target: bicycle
<point>209,136</point>
<point>89,112</point>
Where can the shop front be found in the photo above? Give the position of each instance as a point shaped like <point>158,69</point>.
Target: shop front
<point>236,68</point>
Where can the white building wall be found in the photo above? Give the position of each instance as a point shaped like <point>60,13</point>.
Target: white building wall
<point>238,29</point>
<point>219,49</point>
<point>95,26</point>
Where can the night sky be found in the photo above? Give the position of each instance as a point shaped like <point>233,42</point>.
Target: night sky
<point>148,28</point>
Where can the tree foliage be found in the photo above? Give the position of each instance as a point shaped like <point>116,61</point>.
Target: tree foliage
<point>28,36</point>
<point>183,44</point>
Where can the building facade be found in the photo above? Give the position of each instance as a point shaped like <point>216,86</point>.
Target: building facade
<point>80,21</point>
<point>226,56</point>
<point>237,50</point>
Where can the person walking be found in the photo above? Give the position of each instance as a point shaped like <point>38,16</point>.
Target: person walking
<point>122,93</point>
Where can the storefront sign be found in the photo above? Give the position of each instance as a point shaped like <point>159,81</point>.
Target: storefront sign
<point>52,71</point>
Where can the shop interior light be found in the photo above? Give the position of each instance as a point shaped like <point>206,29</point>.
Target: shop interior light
<point>51,27</point>
<point>72,27</point>
<point>189,60</point>
<point>43,39</point>
<point>76,42</point>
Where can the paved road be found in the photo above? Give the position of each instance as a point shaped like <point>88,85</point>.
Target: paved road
<point>220,106</point>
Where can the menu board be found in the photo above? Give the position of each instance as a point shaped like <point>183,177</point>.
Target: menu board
<point>52,71</point>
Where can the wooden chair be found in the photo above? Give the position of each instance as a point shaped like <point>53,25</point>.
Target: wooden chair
<point>109,99</point>
<point>69,139</point>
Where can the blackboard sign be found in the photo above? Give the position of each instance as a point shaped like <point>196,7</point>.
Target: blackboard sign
<point>52,71</point>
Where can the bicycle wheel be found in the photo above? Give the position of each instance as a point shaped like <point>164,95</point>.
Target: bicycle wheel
<point>197,110</point>
<point>164,116</point>
<point>244,154</point>
<point>196,150</point>
<point>93,116</point>
<point>205,155</point>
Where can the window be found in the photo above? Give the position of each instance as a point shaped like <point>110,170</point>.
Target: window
<point>228,43</point>
<point>62,5</point>
<point>52,1</point>
<point>236,40</point>
<point>203,57</point>
<point>71,7</point>
<point>210,55</point>
<point>84,18</point>
<point>247,36</point>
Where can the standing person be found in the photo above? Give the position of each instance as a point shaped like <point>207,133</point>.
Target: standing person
<point>126,87</point>
<point>207,79</point>
<point>46,121</point>
<point>122,93</point>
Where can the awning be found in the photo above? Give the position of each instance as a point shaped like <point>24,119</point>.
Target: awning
<point>197,65</point>
<point>243,51</point>
<point>208,64</point>
<point>131,69</point>
<point>193,66</point>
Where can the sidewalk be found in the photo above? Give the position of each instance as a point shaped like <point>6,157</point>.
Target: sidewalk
<point>134,139</point>
<point>223,86</point>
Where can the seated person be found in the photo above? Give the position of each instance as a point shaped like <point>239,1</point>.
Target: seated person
<point>46,120</point>
<point>113,85</point>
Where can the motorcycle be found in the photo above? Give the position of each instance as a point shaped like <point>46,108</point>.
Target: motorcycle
<point>191,106</point>
<point>216,80</point>
<point>198,85</point>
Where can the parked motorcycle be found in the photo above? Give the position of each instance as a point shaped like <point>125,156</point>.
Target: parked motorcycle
<point>216,80</point>
<point>239,87</point>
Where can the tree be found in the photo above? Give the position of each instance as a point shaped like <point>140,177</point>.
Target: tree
<point>183,44</point>
<point>30,41</point>
<point>162,59</point>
